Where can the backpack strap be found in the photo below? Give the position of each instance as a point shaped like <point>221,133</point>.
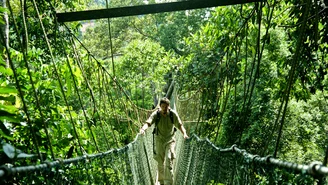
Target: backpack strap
<point>171,116</point>
<point>158,117</point>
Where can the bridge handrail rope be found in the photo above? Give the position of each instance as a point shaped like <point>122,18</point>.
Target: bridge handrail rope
<point>312,169</point>
<point>4,170</point>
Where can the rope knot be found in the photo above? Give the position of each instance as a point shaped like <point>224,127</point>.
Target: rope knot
<point>254,158</point>
<point>86,158</point>
<point>312,168</point>
<point>48,163</point>
<point>233,147</point>
<point>267,159</point>
<point>60,160</point>
<point>5,171</point>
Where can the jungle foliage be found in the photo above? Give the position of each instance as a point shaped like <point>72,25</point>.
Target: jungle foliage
<point>255,75</point>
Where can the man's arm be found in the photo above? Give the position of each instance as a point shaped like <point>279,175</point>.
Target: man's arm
<point>143,128</point>
<point>148,123</point>
<point>184,132</point>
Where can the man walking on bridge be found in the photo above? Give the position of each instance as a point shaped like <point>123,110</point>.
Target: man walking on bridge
<point>166,121</point>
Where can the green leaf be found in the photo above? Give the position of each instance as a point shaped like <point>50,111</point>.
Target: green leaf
<point>11,119</point>
<point>4,70</point>
<point>4,130</point>
<point>11,99</point>
<point>9,150</point>
<point>8,108</point>
<point>2,62</point>
<point>24,155</point>
<point>3,135</point>
<point>69,84</point>
<point>3,10</point>
<point>7,90</point>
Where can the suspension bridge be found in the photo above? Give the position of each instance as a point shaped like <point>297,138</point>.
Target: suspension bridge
<point>90,99</point>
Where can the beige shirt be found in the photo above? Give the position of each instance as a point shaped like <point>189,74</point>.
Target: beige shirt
<point>165,126</point>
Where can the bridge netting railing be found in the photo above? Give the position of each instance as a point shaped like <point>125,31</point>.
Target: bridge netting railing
<point>72,106</point>
<point>131,164</point>
<point>201,162</point>
<point>198,162</point>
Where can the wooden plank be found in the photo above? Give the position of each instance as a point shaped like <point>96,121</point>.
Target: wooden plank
<point>146,9</point>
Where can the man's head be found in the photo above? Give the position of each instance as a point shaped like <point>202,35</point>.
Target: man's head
<point>164,104</point>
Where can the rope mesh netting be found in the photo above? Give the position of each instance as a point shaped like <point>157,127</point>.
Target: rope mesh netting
<point>198,162</point>
<point>132,164</point>
<point>79,79</point>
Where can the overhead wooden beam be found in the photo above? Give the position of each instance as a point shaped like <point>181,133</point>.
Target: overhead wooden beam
<point>146,9</point>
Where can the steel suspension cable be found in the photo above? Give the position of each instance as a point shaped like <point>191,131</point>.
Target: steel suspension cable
<point>253,63</point>
<point>20,91</point>
<point>295,63</point>
<point>102,102</point>
<point>110,39</point>
<point>65,99</point>
<point>223,96</point>
<point>78,60</point>
<point>314,169</point>
<point>45,124</point>
<point>235,37</point>
<point>257,58</point>
<point>105,107</point>
<point>225,102</point>
<point>246,61</point>
<point>93,97</point>
<point>18,86</point>
<point>112,104</point>
<point>86,117</point>
<point>237,51</point>
<point>270,16</point>
<point>252,80</point>
<point>106,71</point>
<point>261,49</point>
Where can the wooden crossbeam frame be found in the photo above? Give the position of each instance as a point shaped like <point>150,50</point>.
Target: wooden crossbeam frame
<point>146,9</point>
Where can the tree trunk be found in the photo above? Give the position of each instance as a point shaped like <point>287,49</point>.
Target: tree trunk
<point>5,30</point>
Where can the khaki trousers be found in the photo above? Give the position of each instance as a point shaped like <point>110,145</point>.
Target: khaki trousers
<point>165,154</point>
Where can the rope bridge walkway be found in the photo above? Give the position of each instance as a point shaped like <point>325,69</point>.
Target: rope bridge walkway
<point>198,162</point>
<point>71,107</point>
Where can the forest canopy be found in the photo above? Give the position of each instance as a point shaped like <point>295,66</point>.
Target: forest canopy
<point>254,75</point>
